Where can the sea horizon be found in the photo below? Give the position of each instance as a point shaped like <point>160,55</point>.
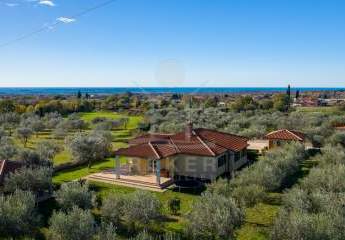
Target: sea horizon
<point>152,90</point>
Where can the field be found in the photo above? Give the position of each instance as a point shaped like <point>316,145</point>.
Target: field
<point>323,109</point>
<point>120,138</point>
<point>258,219</point>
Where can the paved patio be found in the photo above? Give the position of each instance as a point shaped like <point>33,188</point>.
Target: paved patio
<point>258,144</point>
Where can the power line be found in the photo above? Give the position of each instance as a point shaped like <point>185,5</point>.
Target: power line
<point>56,23</point>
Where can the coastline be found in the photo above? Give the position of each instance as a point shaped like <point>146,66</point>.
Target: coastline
<point>152,90</point>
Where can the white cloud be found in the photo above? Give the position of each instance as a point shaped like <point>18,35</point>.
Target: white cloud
<point>46,3</point>
<point>11,4</point>
<point>66,19</point>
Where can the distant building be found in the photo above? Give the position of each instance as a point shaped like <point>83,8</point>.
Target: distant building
<point>306,102</point>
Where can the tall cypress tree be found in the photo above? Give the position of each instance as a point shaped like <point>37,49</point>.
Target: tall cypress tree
<point>297,94</point>
<point>288,91</point>
<point>79,95</point>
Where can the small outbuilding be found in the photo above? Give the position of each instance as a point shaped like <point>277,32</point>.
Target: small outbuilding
<point>281,136</point>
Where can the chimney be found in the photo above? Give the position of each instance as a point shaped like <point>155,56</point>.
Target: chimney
<point>189,132</point>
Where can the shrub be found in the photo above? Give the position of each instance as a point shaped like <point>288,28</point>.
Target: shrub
<point>75,194</point>
<point>17,214</point>
<point>249,195</point>
<point>7,148</point>
<point>90,148</point>
<point>315,208</point>
<point>75,225</point>
<point>174,205</point>
<point>214,217</point>
<point>106,232</point>
<point>28,179</point>
<point>141,208</point>
<point>112,209</point>
<point>33,159</point>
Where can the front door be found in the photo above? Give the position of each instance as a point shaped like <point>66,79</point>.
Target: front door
<point>153,166</point>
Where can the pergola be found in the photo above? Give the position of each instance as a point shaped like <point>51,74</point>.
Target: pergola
<point>157,167</point>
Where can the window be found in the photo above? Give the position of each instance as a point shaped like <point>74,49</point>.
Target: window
<point>237,156</point>
<point>221,161</point>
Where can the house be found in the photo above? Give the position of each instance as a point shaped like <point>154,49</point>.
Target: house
<point>7,167</point>
<point>306,101</point>
<point>193,153</point>
<point>277,138</point>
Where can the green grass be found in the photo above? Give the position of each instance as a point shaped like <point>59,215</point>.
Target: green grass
<point>83,171</point>
<point>258,222</point>
<point>132,124</point>
<point>120,136</point>
<point>260,218</point>
<point>62,157</point>
<point>321,109</point>
<point>171,223</point>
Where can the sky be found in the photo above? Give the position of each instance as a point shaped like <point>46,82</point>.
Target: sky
<point>172,43</point>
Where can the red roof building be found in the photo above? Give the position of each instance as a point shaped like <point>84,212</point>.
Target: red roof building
<point>201,142</point>
<point>283,135</point>
<point>199,153</point>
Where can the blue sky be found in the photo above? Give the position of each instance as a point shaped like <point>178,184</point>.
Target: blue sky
<point>173,43</point>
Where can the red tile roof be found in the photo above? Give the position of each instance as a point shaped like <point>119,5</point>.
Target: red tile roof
<point>149,138</point>
<point>7,167</point>
<point>285,134</point>
<point>202,142</point>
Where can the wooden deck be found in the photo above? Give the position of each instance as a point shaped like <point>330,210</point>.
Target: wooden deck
<point>147,182</point>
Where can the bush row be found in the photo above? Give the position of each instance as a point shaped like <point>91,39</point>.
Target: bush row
<point>314,209</point>
<point>270,173</point>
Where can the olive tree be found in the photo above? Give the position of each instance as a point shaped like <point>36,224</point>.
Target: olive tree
<point>75,194</point>
<point>75,225</point>
<point>214,216</point>
<point>52,119</point>
<point>24,133</point>
<point>89,148</point>
<point>144,235</point>
<point>141,207</point>
<point>35,123</point>
<point>29,179</point>
<point>60,131</point>
<point>314,209</point>
<point>34,159</point>
<point>106,232</point>
<point>113,209</point>
<point>17,214</point>
<point>7,149</point>
<point>9,121</point>
<point>48,149</point>
<point>2,133</point>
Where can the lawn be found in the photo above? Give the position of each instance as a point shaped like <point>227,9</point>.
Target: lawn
<point>120,139</point>
<point>83,171</point>
<point>258,222</point>
<point>320,109</point>
<point>171,223</point>
<point>132,124</point>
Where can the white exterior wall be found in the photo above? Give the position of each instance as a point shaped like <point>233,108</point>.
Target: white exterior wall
<point>206,167</point>
<point>242,161</point>
<point>196,166</point>
<point>223,169</point>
